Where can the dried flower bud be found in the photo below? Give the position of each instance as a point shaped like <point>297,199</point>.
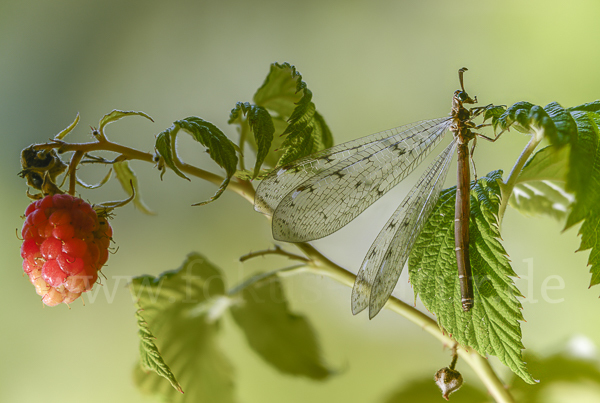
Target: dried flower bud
<point>448,380</point>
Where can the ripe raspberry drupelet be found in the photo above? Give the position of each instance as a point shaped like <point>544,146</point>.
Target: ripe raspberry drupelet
<point>65,244</point>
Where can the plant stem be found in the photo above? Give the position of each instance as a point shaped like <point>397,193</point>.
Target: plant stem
<point>479,364</point>
<point>243,188</point>
<point>276,251</point>
<point>321,265</point>
<point>243,134</point>
<point>507,188</point>
<point>318,263</point>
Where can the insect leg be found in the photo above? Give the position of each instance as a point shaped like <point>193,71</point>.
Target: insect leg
<point>486,137</point>
<point>472,160</point>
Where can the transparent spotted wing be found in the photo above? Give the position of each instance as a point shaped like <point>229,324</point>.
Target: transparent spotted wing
<point>385,260</point>
<point>317,195</point>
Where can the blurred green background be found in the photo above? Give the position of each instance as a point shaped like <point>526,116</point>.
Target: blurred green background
<point>371,66</point>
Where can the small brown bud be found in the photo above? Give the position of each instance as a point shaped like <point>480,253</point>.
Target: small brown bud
<point>448,380</point>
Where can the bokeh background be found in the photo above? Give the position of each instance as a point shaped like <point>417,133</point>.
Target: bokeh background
<point>371,66</point>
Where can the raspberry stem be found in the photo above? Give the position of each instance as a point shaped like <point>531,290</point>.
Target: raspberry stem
<point>243,188</point>
<point>315,261</point>
<point>72,172</point>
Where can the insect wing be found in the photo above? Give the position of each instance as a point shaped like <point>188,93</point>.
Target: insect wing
<point>321,201</point>
<point>385,260</point>
<point>283,180</point>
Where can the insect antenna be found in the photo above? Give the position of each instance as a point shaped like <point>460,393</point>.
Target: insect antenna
<point>460,78</point>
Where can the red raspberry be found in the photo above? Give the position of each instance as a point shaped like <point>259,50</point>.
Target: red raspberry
<point>65,244</point>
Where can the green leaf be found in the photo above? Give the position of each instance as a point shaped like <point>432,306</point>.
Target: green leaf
<point>306,134</point>
<point>285,340</point>
<point>128,178</point>
<point>538,198</point>
<point>116,115</point>
<point>584,180</point>
<point>549,163</point>
<point>551,121</point>
<point>150,358</point>
<point>566,128</point>
<point>179,307</point>
<point>165,146</point>
<point>494,112</point>
<point>540,185</point>
<point>590,239</point>
<point>220,148</point>
<point>516,116</point>
<point>588,107</point>
<point>205,373</point>
<point>67,129</point>
<point>261,124</point>
<point>281,90</point>
<point>284,93</point>
<point>275,151</point>
<point>528,118</point>
<point>583,177</point>
<point>557,371</point>
<point>492,325</point>
<point>248,175</point>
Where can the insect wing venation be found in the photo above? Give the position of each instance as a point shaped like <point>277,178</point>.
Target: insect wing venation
<point>384,262</point>
<point>314,206</point>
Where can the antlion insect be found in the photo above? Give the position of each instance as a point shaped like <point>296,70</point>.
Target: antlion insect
<point>317,195</point>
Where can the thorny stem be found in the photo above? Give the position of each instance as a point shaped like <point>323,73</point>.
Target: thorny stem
<point>317,263</point>
<point>276,251</point>
<point>243,188</point>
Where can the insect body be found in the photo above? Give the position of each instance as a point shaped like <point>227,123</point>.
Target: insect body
<point>317,195</point>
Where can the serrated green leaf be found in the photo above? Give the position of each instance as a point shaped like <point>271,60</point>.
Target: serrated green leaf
<point>306,133</point>
<point>67,129</point>
<point>204,371</point>
<point>516,115</point>
<point>590,239</point>
<point>300,140</point>
<point>127,178</point>
<point>281,89</point>
<point>566,128</point>
<point>284,93</point>
<point>531,119</point>
<point>177,308</point>
<point>536,198</point>
<point>323,131</point>
<point>150,358</point>
<point>588,107</point>
<point>116,115</point>
<point>261,124</point>
<point>549,163</point>
<point>195,282</point>
<point>220,148</point>
<point>583,178</point>
<point>556,370</point>
<point>165,146</point>
<point>492,325</point>
<point>494,112</point>
<point>540,186</point>
<point>283,339</point>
